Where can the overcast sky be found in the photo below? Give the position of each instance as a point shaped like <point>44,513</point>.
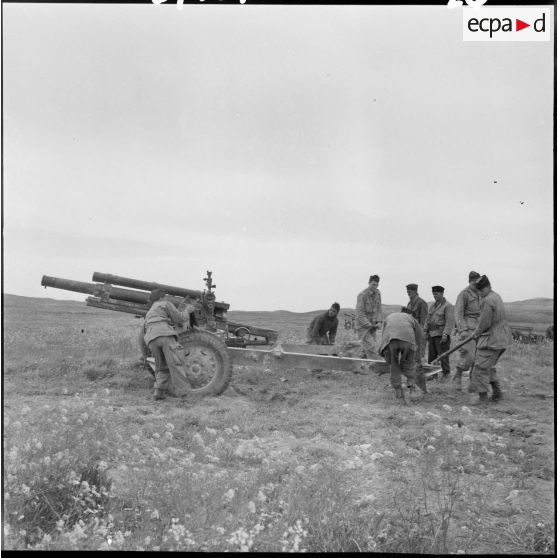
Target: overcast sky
<point>291,150</point>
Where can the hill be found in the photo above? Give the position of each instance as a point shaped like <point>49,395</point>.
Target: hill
<point>536,312</point>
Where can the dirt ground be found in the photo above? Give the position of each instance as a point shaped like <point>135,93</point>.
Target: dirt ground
<point>353,418</point>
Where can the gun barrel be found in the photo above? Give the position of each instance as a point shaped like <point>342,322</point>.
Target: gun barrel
<point>95,289</point>
<point>150,286</point>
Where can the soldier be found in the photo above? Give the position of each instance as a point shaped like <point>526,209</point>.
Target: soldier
<point>417,306</point>
<point>401,335</point>
<point>369,317</point>
<point>419,310</point>
<point>467,312</point>
<point>162,339</point>
<point>438,327</point>
<point>323,328</point>
<point>493,337</point>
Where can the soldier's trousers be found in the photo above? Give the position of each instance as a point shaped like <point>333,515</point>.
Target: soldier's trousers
<point>401,358</point>
<point>436,348</point>
<point>169,364</point>
<point>466,355</point>
<point>369,343</point>
<point>484,370</point>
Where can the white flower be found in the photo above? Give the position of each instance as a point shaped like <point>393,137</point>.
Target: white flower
<point>169,426</point>
<point>466,410</point>
<point>154,514</point>
<point>229,495</point>
<point>446,408</point>
<point>103,466</point>
<point>198,439</point>
<point>261,496</point>
<point>430,448</point>
<point>251,507</point>
<point>388,453</point>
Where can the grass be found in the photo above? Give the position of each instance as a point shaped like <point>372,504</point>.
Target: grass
<point>281,461</point>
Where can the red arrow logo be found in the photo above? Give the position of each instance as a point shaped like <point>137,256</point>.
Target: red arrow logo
<point>519,25</point>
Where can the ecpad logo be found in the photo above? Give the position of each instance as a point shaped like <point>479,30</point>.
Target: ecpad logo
<point>507,24</point>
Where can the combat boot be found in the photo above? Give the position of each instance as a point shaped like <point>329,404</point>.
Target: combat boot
<point>456,380</point>
<point>482,400</point>
<point>414,394</point>
<point>399,393</point>
<point>158,394</point>
<point>496,392</point>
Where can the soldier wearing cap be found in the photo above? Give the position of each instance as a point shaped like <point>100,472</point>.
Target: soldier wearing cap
<point>493,336</point>
<point>162,339</point>
<point>368,317</point>
<point>467,312</point>
<point>419,310</point>
<point>438,327</point>
<point>417,306</point>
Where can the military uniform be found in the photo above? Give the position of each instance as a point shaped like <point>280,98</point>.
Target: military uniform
<point>467,312</point>
<point>368,317</point>
<point>419,311</point>
<point>401,336</point>
<point>494,336</point>
<point>162,339</point>
<point>439,322</point>
<point>322,330</point>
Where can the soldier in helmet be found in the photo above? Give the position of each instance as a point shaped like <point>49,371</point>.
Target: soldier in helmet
<point>162,339</point>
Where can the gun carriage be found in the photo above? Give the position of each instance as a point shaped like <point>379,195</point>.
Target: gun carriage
<point>211,342</point>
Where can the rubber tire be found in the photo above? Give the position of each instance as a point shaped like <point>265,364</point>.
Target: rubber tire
<point>145,352</point>
<point>213,344</point>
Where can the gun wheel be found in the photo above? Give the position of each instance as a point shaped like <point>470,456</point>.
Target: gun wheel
<point>208,363</point>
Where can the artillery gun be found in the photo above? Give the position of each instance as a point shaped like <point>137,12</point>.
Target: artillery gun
<point>212,343</point>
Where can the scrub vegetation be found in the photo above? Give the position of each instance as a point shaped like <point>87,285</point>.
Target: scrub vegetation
<point>282,461</point>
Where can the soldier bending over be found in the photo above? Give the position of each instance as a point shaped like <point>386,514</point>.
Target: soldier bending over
<point>162,339</point>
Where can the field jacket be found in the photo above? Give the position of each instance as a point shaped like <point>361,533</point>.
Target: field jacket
<point>467,309</point>
<point>440,319</point>
<point>419,309</point>
<point>368,310</point>
<point>493,327</point>
<point>323,328</point>
<point>401,326</point>
<point>162,318</point>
